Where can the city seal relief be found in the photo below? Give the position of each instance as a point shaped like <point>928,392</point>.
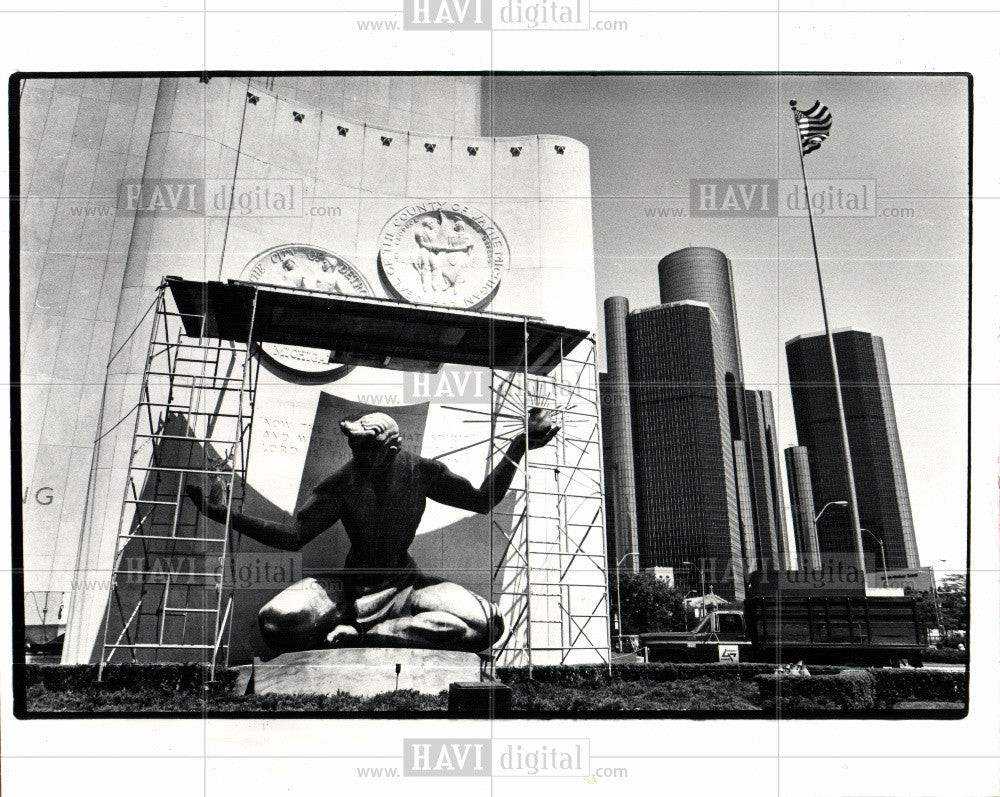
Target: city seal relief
<point>446,253</point>
<point>306,268</point>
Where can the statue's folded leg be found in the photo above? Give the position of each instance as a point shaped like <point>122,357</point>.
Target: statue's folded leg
<point>299,617</point>
<point>443,616</point>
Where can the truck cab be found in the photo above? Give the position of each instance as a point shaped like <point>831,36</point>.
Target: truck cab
<point>725,625</point>
<point>719,636</point>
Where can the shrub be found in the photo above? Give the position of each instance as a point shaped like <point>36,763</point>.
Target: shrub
<point>157,677</point>
<point>568,689</point>
<point>590,676</point>
<point>859,690</point>
<point>695,694</point>
<point>896,686</point>
<point>851,690</point>
<point>945,655</point>
<point>405,700</point>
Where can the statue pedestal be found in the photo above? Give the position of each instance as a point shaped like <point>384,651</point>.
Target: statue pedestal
<point>364,671</point>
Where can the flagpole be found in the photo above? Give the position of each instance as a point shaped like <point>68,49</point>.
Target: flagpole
<point>853,496</point>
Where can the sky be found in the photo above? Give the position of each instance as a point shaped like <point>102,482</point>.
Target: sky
<point>902,274</point>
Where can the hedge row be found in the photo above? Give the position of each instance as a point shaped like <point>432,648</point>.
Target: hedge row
<point>691,694</point>
<point>186,678</point>
<point>147,701</point>
<point>850,690</point>
<point>193,678</point>
<point>594,675</point>
<point>722,687</point>
<point>894,686</point>
<point>405,700</point>
<point>859,690</point>
<point>946,655</point>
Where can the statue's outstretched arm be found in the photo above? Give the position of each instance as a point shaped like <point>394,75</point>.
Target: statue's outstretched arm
<point>451,489</point>
<point>315,516</point>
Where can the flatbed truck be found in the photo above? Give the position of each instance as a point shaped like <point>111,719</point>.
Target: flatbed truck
<point>846,630</point>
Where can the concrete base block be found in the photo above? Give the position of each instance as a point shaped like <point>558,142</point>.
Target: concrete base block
<point>244,679</point>
<point>364,671</point>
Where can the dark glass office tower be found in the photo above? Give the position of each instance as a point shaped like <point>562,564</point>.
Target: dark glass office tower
<point>685,477</point>
<point>703,274</point>
<point>767,490</point>
<point>803,507</point>
<point>880,480</point>
<point>744,502</point>
<point>616,422</point>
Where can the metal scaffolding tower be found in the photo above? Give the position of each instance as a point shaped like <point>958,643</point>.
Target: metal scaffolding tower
<point>169,597</point>
<point>550,578</point>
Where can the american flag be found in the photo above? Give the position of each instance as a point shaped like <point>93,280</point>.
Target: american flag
<point>814,125</point>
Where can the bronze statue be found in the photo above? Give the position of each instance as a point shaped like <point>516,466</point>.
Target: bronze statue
<point>379,495</point>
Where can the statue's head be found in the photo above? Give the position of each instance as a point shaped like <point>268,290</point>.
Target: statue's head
<point>373,438</point>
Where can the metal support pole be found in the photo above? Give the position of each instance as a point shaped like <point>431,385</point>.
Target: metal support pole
<point>527,513</point>
<point>853,496</point>
<point>881,545</point>
<point>220,626</point>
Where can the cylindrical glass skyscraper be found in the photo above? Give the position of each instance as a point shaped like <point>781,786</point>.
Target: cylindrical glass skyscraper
<point>620,469</point>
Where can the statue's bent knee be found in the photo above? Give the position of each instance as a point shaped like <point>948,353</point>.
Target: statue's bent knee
<point>279,628</point>
<point>271,621</point>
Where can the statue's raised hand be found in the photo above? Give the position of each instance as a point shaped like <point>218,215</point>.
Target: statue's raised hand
<point>216,495</point>
<point>541,430</point>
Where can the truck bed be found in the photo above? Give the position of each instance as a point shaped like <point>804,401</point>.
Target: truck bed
<point>877,621</point>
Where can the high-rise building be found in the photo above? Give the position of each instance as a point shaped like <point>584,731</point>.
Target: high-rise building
<point>763,439</point>
<point>703,274</point>
<point>803,507</point>
<point>752,559</point>
<point>688,504</point>
<point>619,463</point>
<point>608,460</point>
<point>877,459</point>
<point>700,460</point>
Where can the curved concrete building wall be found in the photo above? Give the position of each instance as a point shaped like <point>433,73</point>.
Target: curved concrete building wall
<point>443,104</point>
<point>620,464</point>
<point>78,138</point>
<point>536,190</point>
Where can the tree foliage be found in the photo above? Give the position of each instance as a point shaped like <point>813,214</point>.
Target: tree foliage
<point>953,598</point>
<point>649,604</point>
